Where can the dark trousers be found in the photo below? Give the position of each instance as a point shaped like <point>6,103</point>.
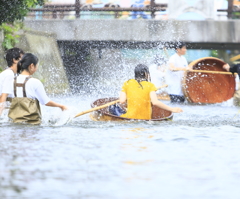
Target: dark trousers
<point>177,98</point>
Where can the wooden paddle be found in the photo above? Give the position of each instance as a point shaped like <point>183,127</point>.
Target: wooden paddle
<point>208,71</point>
<point>235,58</point>
<point>96,108</point>
<point>163,86</point>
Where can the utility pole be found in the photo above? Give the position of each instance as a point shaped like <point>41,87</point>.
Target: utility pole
<point>152,6</point>
<point>230,9</point>
<point>77,7</point>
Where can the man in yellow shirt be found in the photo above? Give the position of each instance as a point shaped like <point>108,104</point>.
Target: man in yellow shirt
<point>139,94</point>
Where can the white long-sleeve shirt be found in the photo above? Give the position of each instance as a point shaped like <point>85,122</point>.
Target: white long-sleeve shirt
<point>34,89</point>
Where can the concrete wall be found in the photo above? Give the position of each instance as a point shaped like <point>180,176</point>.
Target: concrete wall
<point>141,30</point>
<point>51,70</point>
<point>3,63</point>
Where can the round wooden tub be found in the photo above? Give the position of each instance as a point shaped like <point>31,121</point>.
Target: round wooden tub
<point>208,88</point>
<point>158,114</point>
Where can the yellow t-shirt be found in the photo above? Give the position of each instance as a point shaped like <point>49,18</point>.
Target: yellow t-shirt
<point>138,99</point>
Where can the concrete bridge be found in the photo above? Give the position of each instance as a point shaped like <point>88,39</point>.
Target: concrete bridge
<point>206,34</point>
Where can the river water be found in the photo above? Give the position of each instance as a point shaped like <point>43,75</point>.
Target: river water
<point>194,156</point>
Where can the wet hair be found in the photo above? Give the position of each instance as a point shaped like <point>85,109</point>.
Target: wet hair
<point>26,61</point>
<point>180,45</point>
<point>13,53</point>
<point>141,73</point>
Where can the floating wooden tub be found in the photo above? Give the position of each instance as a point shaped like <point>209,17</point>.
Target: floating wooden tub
<point>104,115</point>
<point>163,96</point>
<point>206,87</point>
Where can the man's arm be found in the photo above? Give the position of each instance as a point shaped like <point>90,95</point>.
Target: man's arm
<point>234,69</point>
<point>123,97</point>
<point>173,68</point>
<point>3,99</point>
<point>161,105</point>
<point>54,104</point>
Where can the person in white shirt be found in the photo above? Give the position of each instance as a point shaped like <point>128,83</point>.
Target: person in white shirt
<point>158,72</point>
<point>28,92</point>
<point>177,65</point>
<point>13,56</point>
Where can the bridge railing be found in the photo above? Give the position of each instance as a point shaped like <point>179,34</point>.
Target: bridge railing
<point>78,10</point>
<point>60,11</point>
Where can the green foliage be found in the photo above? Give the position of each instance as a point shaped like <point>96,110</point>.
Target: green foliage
<point>12,10</point>
<point>214,53</point>
<point>10,36</point>
<point>235,15</point>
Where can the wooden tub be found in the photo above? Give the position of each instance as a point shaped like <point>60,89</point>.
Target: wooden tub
<point>208,88</point>
<point>104,115</point>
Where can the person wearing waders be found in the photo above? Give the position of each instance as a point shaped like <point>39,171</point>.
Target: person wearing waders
<point>13,56</point>
<point>28,92</point>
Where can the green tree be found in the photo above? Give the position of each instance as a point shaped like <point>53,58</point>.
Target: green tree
<point>12,10</point>
<point>10,34</point>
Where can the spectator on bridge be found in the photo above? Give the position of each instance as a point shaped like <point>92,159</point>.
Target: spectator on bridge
<point>135,14</point>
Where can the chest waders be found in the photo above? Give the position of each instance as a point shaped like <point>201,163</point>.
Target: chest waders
<point>24,109</point>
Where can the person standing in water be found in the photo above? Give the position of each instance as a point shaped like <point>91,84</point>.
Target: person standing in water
<point>140,93</point>
<point>235,70</point>
<point>13,56</point>
<point>177,65</point>
<point>158,72</point>
<point>28,92</point>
